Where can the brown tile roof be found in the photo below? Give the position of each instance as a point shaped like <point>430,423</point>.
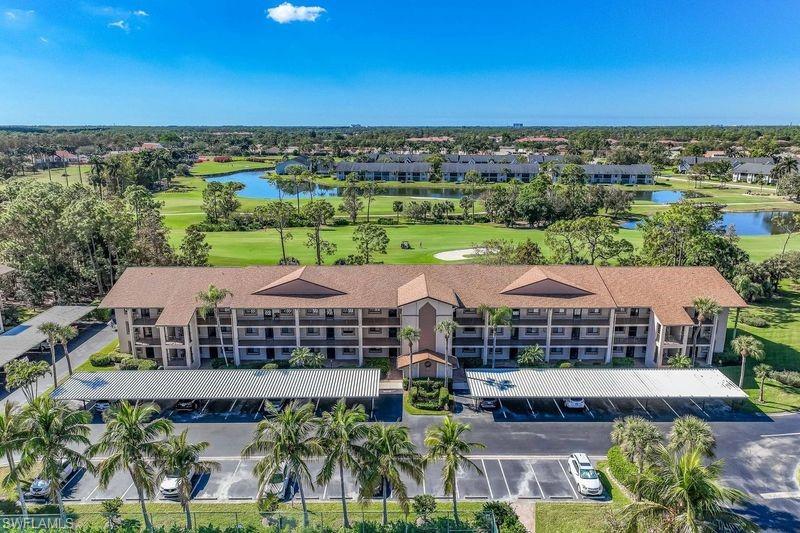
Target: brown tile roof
<point>666,289</point>
<point>422,356</point>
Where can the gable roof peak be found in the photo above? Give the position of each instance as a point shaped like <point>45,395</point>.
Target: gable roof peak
<point>540,281</point>
<point>297,283</point>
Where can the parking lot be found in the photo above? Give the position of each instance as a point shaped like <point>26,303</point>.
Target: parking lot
<point>537,478</point>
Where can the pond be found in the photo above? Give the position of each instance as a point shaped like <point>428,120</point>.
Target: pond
<point>255,186</point>
<point>658,197</point>
<point>744,222</point>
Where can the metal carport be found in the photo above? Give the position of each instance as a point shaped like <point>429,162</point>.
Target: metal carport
<point>221,384</point>
<point>20,339</point>
<point>640,383</point>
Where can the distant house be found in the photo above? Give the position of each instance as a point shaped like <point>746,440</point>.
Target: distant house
<point>442,139</point>
<point>65,156</point>
<point>301,161</point>
<point>754,173</point>
<point>714,153</point>
<point>152,146</point>
<point>544,158</point>
<point>616,174</point>
<point>688,162</point>
<point>542,140</point>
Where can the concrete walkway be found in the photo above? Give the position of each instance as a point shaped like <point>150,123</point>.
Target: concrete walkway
<point>91,340</point>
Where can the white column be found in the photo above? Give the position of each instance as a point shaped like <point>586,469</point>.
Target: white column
<point>710,356</point>
<point>361,337</point>
<point>660,344</point>
<point>547,339</point>
<point>162,333</point>
<point>187,345</point>
<point>297,327</point>
<point>2,328</point>
<point>485,337</point>
<point>612,322</point>
<point>235,338</point>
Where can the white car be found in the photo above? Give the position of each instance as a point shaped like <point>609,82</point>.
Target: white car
<point>40,488</point>
<point>279,484</point>
<point>101,406</point>
<point>574,403</point>
<point>584,475</point>
<point>170,485</point>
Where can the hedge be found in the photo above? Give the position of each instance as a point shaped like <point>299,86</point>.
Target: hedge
<point>378,362</point>
<point>621,468</point>
<point>786,377</point>
<point>622,361</point>
<point>755,321</point>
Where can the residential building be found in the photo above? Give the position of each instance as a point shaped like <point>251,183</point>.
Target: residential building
<point>299,161</point>
<point>686,163</point>
<point>616,174</point>
<point>754,173</point>
<point>350,313</point>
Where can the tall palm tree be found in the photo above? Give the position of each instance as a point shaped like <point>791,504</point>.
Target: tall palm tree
<point>446,443</point>
<point>13,434</point>
<point>53,428</point>
<point>682,494</point>
<point>448,329</point>
<point>132,441</point>
<point>390,453</point>
<point>286,440</point>
<point>704,308</point>
<point>690,433</point>
<point>63,336</point>
<point>51,330</point>
<point>498,317</point>
<point>181,459</point>
<point>636,438</point>
<point>306,358</point>
<point>409,334</point>
<point>210,300</point>
<point>746,346</point>
<point>341,432</point>
<point>761,372</point>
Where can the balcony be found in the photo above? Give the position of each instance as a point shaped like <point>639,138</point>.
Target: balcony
<point>579,342</point>
<point>632,320</point>
<point>145,321</point>
<point>210,321</point>
<point>381,341</point>
<point>529,321</point>
<point>671,340</point>
<point>381,321</point>
<point>174,340</point>
<point>214,341</point>
<point>326,343</point>
<point>630,340</point>
<point>470,321</point>
<point>147,341</point>
<point>266,343</point>
<point>576,321</point>
<point>468,341</point>
<point>329,322</point>
<point>702,340</point>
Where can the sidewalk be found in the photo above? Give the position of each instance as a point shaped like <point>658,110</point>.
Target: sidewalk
<point>81,348</point>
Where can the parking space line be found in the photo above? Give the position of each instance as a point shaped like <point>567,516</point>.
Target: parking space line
<point>533,412</point>
<point>232,406</point>
<point>502,409</point>
<point>559,408</point>
<point>486,476</point>
<point>614,407</point>
<point>203,410</point>
<point>643,407</point>
<point>255,415</point>
<point>586,406</point>
<point>536,479</point>
<point>126,490</point>
<point>670,407</point>
<point>500,464</point>
<point>89,496</point>
<point>696,405</point>
<point>568,480</point>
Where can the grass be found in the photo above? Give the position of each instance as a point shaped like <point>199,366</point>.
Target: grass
<point>413,410</point>
<point>781,339</point>
<point>87,365</point>
<point>580,517</point>
<point>211,168</point>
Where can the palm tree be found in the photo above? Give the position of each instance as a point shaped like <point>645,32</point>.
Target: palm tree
<point>390,453</point>
<point>531,356</point>
<point>690,433</point>
<point>286,440</point>
<point>762,372</point>
<point>448,329</point>
<point>498,317</point>
<point>64,335</point>
<point>679,361</point>
<point>636,438</point>
<point>746,346</point>
<point>341,431</point>
<point>13,434</point>
<point>305,358</point>
<point>53,428</point>
<point>445,443</point>
<point>704,308</point>
<point>410,334</point>
<point>51,329</point>
<point>210,300</point>
<point>181,459</point>
<point>133,441</point>
<point>684,494</point>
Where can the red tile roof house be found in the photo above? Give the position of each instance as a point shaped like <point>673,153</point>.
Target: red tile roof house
<point>350,313</point>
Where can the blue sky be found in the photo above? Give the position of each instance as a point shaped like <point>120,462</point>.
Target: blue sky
<point>414,62</point>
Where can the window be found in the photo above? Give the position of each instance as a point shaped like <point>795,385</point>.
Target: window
<point>594,311</point>
<point>250,312</point>
<point>348,351</point>
<point>534,311</point>
<point>287,312</point>
<point>313,332</point>
<point>312,312</point>
<point>225,329</point>
<point>622,310</point>
<point>619,329</point>
<point>470,311</point>
<point>556,351</point>
<point>468,350</point>
<point>251,331</point>
<point>558,331</point>
<point>375,350</point>
<point>560,311</point>
<point>348,312</point>
<point>375,331</point>
<point>287,332</point>
<point>593,331</point>
<point>499,330</point>
<point>591,351</point>
<point>531,331</point>
<point>349,332</point>
<point>286,351</point>
<point>252,351</point>
<point>373,311</point>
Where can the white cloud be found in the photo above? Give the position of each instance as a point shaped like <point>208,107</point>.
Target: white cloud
<point>287,12</point>
<point>14,15</point>
<point>44,40</point>
<point>141,13</point>
<point>119,24</point>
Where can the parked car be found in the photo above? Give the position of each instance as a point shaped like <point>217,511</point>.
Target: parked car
<point>170,486</point>
<point>584,475</point>
<point>185,405</point>
<point>40,488</point>
<point>279,484</point>
<point>489,404</point>
<point>101,406</point>
<point>574,403</point>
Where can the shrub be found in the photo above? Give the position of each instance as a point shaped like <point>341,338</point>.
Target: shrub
<point>621,468</point>
<point>622,361</point>
<point>270,366</point>
<point>341,222</point>
<point>786,377</point>
<point>222,159</point>
<point>387,221</point>
<point>413,394</point>
<point>424,505</point>
<point>504,516</point>
<point>131,363</point>
<point>405,383</point>
<point>147,364</point>
<point>726,358</point>
<point>566,364</point>
<point>444,397</point>
<point>755,321</point>
<point>378,362</point>
<point>101,359</point>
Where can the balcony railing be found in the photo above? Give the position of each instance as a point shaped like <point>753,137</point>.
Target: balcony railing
<point>381,321</point>
<point>266,343</point>
<point>632,320</point>
<point>579,342</point>
<point>329,322</point>
<point>214,341</point>
<point>529,321</point>
<point>470,321</point>
<point>173,340</point>
<point>468,341</point>
<point>145,321</point>
<point>328,342</point>
<point>147,341</point>
<point>575,321</point>
<point>381,341</point>
<point>210,321</point>
<point>630,340</point>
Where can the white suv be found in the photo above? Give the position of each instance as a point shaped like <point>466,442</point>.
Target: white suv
<point>584,475</point>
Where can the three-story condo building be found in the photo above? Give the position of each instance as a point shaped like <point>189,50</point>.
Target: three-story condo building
<point>350,313</point>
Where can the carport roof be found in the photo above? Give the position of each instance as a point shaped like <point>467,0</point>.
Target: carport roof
<point>26,336</point>
<point>221,384</point>
<point>602,383</point>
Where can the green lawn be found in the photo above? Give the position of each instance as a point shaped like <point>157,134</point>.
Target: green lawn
<point>781,340</point>
<point>210,168</point>
<point>87,365</point>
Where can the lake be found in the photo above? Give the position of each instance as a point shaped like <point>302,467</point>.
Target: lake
<point>658,197</point>
<point>744,222</point>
